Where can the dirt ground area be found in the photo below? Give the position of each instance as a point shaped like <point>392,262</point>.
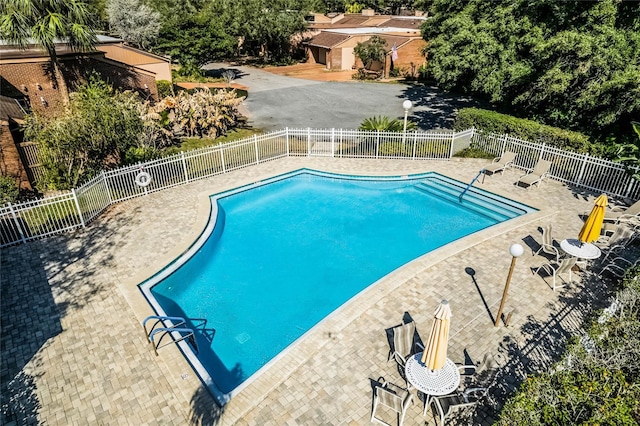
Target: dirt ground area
<point>316,72</point>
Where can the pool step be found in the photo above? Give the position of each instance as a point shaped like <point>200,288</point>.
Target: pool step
<point>470,201</point>
<point>480,196</point>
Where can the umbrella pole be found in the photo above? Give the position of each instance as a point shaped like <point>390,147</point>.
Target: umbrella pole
<point>506,290</point>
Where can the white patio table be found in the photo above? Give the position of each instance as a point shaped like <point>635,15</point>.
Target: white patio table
<point>432,382</point>
<point>580,250</point>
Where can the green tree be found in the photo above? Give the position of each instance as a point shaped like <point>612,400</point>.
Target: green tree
<point>134,21</point>
<point>45,22</point>
<point>574,65</point>
<point>195,35</point>
<point>99,126</point>
<point>264,27</point>
<point>370,51</point>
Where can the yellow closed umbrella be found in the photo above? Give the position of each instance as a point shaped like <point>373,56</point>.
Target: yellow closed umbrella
<point>435,353</point>
<point>593,225</point>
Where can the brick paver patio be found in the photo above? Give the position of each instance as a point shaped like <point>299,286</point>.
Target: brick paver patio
<point>73,349</point>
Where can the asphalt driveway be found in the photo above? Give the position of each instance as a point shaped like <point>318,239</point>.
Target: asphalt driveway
<point>276,101</point>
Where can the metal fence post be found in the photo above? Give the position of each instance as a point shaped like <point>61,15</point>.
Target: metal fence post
<point>453,138</point>
<point>224,169</point>
<point>341,142</point>
<point>75,199</point>
<point>333,141</point>
<point>287,140</point>
<point>541,151</point>
<point>584,164</point>
<point>308,141</point>
<point>15,219</point>
<point>504,143</point>
<point>184,167</point>
<point>255,142</point>
<point>415,143</point>
<point>377,142</point>
<point>106,185</point>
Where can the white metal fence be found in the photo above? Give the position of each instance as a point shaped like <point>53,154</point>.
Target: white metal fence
<point>581,170</point>
<point>36,219</point>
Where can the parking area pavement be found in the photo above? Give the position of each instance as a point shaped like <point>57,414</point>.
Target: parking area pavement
<point>73,349</point>
<point>278,101</point>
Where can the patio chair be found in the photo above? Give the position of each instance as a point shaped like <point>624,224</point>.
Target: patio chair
<point>388,397</point>
<point>404,344</point>
<point>619,266</point>
<point>540,171</point>
<point>500,164</point>
<point>457,404</point>
<point>556,269</point>
<point>619,214</point>
<point>547,243</point>
<point>620,236</point>
<point>482,375</point>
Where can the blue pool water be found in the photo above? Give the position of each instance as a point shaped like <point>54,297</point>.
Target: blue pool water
<point>284,255</point>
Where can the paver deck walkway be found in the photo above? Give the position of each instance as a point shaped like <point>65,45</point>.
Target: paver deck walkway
<point>73,350</point>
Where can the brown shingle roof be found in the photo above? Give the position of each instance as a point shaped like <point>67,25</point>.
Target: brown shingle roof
<point>403,23</point>
<point>10,108</point>
<point>128,55</point>
<point>327,39</point>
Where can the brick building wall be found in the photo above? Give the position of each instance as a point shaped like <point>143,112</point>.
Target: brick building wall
<point>10,162</point>
<point>410,58</point>
<point>34,78</point>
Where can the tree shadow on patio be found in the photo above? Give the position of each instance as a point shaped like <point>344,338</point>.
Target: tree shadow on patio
<point>41,282</point>
<point>544,340</point>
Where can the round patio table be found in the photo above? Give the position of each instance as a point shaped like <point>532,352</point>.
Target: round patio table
<point>580,250</point>
<point>432,382</point>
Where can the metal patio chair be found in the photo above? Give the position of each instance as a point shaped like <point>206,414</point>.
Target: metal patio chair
<point>457,404</point>
<point>481,375</point>
<point>405,344</point>
<point>500,164</point>
<point>556,269</point>
<point>547,244</point>
<point>389,399</point>
<point>539,172</point>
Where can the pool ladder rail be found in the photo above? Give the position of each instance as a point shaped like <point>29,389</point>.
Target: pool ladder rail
<point>470,184</point>
<point>174,326</point>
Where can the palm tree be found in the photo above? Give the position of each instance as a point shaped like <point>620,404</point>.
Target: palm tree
<point>45,22</point>
<point>386,124</point>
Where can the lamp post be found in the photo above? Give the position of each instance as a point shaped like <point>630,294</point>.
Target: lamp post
<point>516,251</point>
<point>407,106</point>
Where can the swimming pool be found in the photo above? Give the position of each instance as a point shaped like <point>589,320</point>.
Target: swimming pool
<point>280,255</point>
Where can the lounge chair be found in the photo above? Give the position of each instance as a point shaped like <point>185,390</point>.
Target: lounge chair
<point>555,269</point>
<point>620,214</point>
<point>500,164</point>
<point>387,396</point>
<point>547,244</point>
<point>540,171</point>
<point>616,242</point>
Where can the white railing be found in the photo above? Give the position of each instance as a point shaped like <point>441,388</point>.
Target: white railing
<point>581,170</point>
<point>51,215</point>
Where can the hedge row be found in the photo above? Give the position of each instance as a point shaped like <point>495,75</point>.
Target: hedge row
<point>598,380</point>
<point>494,122</point>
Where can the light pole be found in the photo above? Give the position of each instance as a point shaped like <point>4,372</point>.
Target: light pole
<point>407,106</point>
<point>516,251</point>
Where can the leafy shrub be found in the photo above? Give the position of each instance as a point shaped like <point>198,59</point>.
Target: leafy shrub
<point>386,124</point>
<point>97,128</point>
<point>597,382</point>
<point>8,190</point>
<point>165,88</point>
<point>473,152</point>
<point>491,121</point>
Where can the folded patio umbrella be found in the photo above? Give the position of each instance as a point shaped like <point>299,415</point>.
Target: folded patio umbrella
<point>435,353</point>
<point>593,225</point>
